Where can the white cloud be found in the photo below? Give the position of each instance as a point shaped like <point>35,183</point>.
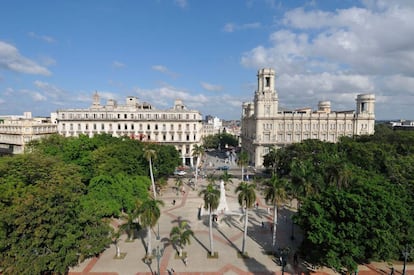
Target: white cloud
<point>117,64</point>
<point>34,95</point>
<point>11,59</point>
<point>163,69</point>
<point>181,3</point>
<point>49,89</point>
<point>211,87</point>
<point>44,38</point>
<point>334,55</point>
<point>232,27</point>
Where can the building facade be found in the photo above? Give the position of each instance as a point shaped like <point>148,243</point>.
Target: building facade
<point>17,131</point>
<point>265,125</point>
<point>177,126</point>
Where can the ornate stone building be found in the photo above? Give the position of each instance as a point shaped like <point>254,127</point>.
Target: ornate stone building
<point>265,125</point>
<point>177,126</point>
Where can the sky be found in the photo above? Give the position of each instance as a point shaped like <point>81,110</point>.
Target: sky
<point>55,54</point>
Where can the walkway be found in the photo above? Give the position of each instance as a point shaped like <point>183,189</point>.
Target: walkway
<point>228,236</point>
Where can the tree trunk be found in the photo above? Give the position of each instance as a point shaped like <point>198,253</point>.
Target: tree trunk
<point>196,173</point>
<point>245,231</point>
<point>152,179</point>
<point>242,173</point>
<point>149,248</point>
<point>210,225</point>
<point>180,251</point>
<point>274,225</point>
<point>118,251</point>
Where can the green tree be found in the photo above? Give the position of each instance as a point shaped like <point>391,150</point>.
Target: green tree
<point>226,177</point>
<point>198,152</point>
<point>246,198</point>
<point>43,226</point>
<point>149,212</point>
<point>275,193</point>
<point>180,236</point>
<point>211,197</point>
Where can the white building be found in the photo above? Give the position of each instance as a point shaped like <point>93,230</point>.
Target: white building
<point>264,125</point>
<point>177,126</point>
<point>17,131</point>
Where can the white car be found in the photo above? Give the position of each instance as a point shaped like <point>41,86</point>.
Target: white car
<point>180,173</point>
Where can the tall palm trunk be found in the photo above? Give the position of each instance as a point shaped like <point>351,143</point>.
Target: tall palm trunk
<point>196,173</point>
<point>245,231</point>
<point>210,225</point>
<point>274,225</point>
<point>242,173</point>
<point>152,179</point>
<point>149,248</point>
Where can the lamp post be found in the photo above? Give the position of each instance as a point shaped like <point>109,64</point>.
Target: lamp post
<point>405,254</point>
<point>157,253</point>
<point>158,232</point>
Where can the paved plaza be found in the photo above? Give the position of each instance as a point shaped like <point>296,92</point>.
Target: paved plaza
<point>228,236</point>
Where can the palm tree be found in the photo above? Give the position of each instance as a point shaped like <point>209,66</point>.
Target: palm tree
<point>242,161</point>
<point>226,177</point>
<point>151,154</point>
<point>211,197</point>
<point>302,180</point>
<point>275,192</point>
<point>129,225</point>
<point>198,151</point>
<point>180,236</point>
<point>149,213</point>
<point>246,197</point>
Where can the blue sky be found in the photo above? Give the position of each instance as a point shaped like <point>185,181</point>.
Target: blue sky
<point>56,54</point>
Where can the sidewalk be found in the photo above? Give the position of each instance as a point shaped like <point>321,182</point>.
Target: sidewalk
<point>228,236</point>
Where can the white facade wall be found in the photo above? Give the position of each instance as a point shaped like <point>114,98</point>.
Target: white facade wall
<point>264,126</point>
<point>178,126</point>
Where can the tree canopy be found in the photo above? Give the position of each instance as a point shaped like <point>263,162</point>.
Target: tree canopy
<point>356,196</point>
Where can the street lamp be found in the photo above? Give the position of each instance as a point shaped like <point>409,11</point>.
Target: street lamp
<point>405,254</point>
<point>158,233</point>
<point>157,253</point>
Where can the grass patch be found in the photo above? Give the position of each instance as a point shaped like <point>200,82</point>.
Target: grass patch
<point>130,240</point>
<point>120,257</point>
<point>243,255</point>
<point>177,256</point>
<point>214,256</point>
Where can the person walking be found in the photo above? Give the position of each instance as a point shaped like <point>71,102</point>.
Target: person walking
<point>185,261</point>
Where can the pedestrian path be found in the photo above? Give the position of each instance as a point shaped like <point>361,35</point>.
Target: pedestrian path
<point>228,236</point>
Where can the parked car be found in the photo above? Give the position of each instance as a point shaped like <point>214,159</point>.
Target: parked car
<point>224,168</point>
<point>180,172</point>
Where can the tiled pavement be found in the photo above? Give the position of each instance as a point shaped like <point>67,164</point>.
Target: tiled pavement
<point>228,237</point>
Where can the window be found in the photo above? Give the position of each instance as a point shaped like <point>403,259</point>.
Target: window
<point>102,126</point>
<point>79,127</point>
<point>125,126</point>
<point>94,126</point>
<point>156,126</point>
<point>125,116</point>
<point>119,126</point>
<point>132,127</point>
<point>267,81</point>
<point>63,126</point>
<point>148,127</point>
<point>188,137</point>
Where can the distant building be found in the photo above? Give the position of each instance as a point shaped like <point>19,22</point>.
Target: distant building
<point>406,125</point>
<point>17,131</point>
<point>177,126</point>
<point>265,125</point>
<point>212,126</point>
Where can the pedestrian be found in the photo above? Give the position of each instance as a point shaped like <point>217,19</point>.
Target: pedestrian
<point>185,260</point>
<point>295,259</point>
<point>392,271</point>
<point>262,224</point>
<point>173,202</point>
